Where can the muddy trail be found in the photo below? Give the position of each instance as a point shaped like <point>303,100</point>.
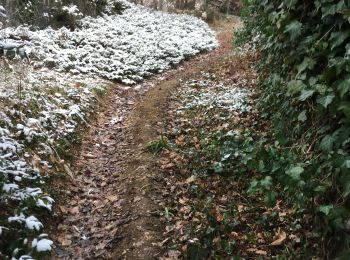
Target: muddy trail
<point>113,205</point>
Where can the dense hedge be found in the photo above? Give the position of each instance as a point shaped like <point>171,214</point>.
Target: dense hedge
<point>305,83</point>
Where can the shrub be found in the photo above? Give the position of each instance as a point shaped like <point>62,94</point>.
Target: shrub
<point>304,78</point>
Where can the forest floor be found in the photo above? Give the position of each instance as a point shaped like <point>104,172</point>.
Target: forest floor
<point>114,205</point>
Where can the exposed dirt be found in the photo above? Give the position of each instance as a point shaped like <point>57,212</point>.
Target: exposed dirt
<point>114,204</point>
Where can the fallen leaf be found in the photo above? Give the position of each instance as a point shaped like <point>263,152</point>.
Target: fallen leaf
<point>240,208</point>
<point>101,245</point>
<point>180,140</point>
<point>168,166</point>
<point>74,210</point>
<point>137,198</point>
<point>281,236</point>
<point>190,179</point>
<point>65,240</point>
<point>63,209</point>
<point>89,156</point>
<point>112,198</point>
<point>260,252</point>
<point>182,201</point>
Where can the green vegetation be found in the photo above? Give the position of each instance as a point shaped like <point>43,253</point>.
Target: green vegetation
<point>304,71</point>
<point>157,146</point>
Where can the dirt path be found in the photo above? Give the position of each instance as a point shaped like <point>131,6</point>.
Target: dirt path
<point>113,208</point>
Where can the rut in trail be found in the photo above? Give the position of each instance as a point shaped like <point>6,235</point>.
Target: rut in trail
<point>114,202</point>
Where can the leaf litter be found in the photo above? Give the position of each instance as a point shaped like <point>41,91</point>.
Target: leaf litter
<point>115,207</point>
<point>212,216</point>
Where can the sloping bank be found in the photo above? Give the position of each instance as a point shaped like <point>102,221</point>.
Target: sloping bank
<point>41,109</point>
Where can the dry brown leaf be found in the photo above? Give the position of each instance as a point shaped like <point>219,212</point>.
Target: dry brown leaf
<point>190,179</point>
<point>251,250</point>
<point>74,210</point>
<point>89,156</point>
<point>65,240</point>
<point>137,199</point>
<point>112,198</point>
<point>185,209</point>
<point>260,252</point>
<point>36,160</point>
<point>182,201</point>
<point>240,208</point>
<point>168,166</point>
<point>281,236</point>
<point>63,209</point>
<point>180,140</point>
<point>101,245</point>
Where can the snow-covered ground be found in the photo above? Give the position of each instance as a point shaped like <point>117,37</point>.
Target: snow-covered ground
<point>211,93</point>
<point>41,108</point>
<point>126,47</point>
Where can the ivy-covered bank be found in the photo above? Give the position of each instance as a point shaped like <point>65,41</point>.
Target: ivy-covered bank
<point>305,83</point>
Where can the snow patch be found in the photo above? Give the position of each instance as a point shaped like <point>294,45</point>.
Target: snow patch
<point>42,245</point>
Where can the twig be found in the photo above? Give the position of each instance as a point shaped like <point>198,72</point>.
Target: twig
<point>325,35</point>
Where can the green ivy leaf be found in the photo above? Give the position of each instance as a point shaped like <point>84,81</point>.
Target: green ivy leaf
<point>332,9</point>
<point>327,143</point>
<point>344,87</point>
<point>307,63</point>
<point>295,86</point>
<point>253,187</point>
<point>347,48</point>
<point>325,209</point>
<point>270,199</point>
<point>196,252</point>
<point>290,3</point>
<point>295,172</point>
<point>293,29</point>
<point>337,38</point>
<point>302,116</point>
<point>266,182</point>
<point>326,100</point>
<point>305,94</point>
<point>346,164</point>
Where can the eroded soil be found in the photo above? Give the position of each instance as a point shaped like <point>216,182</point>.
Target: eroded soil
<point>113,208</point>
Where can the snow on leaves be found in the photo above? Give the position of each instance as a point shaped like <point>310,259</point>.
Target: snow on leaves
<point>127,47</point>
<point>47,109</point>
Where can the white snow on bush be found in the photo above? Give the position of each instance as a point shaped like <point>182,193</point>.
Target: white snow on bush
<point>42,245</point>
<point>34,119</point>
<point>33,223</point>
<point>72,10</point>
<point>126,47</point>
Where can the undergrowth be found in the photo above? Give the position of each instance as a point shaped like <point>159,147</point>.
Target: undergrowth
<point>304,81</point>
